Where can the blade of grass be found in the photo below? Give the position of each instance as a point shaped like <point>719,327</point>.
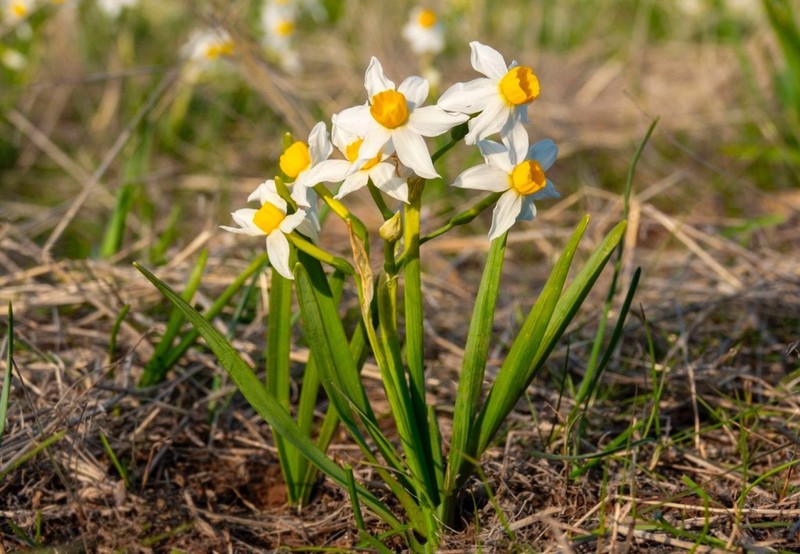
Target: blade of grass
<point>4,394</point>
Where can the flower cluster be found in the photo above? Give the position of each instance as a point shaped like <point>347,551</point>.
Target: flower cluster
<point>382,142</point>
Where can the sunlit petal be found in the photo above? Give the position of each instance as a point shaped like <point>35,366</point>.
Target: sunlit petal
<point>483,177</point>
<point>278,253</point>
<point>413,152</point>
<point>375,80</point>
<point>487,60</point>
<point>415,89</point>
<point>505,213</point>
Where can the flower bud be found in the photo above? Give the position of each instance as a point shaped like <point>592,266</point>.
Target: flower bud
<point>392,229</point>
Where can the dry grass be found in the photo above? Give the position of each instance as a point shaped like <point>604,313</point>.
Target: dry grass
<point>721,314</point>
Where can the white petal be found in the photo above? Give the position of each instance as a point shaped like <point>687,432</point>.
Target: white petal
<point>319,145</point>
<point>490,121</point>
<point>352,183</point>
<point>483,177</point>
<point>488,61</point>
<point>470,97</point>
<point>341,137</point>
<point>545,152</point>
<point>267,192</point>
<point>327,171</point>
<point>307,228</point>
<point>356,120</point>
<point>244,219</point>
<point>278,253</point>
<point>375,80</point>
<point>432,121</point>
<point>528,210</point>
<point>300,195</point>
<point>290,222</point>
<point>374,141</point>
<point>516,139</point>
<point>505,213</point>
<point>413,152</point>
<point>384,176</point>
<point>415,89</point>
<point>549,191</point>
<point>496,155</point>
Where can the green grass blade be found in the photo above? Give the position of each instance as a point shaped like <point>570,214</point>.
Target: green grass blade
<point>115,461</point>
<point>517,370</point>
<point>473,366</point>
<point>156,368</point>
<point>4,394</point>
<point>264,403</point>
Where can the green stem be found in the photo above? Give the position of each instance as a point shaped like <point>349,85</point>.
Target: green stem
<point>342,211</point>
<point>316,252</point>
<point>464,217</point>
<point>377,197</point>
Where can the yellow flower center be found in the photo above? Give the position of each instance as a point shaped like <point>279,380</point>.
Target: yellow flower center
<point>19,9</point>
<point>527,178</point>
<point>519,86</point>
<point>427,19</point>
<point>218,49</point>
<point>295,159</point>
<point>389,108</point>
<point>351,153</point>
<point>268,217</point>
<point>284,28</point>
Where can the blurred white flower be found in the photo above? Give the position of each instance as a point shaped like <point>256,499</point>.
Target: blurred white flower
<point>393,116</point>
<point>519,173</point>
<point>278,25</point>
<point>271,220</point>
<point>502,96</point>
<point>208,45</point>
<point>423,32</point>
<point>113,8</point>
<point>16,10</point>
<point>383,174</point>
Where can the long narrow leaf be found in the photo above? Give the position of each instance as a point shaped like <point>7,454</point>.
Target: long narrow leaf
<point>473,366</point>
<point>264,403</point>
<point>7,376</point>
<point>513,377</point>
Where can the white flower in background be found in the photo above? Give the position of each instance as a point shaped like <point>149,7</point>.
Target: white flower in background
<point>502,96</point>
<point>393,116</point>
<point>16,10</point>
<point>519,173</point>
<point>383,174</point>
<point>297,161</point>
<point>208,46</point>
<point>278,25</point>
<point>271,220</point>
<point>423,32</point>
<point>113,8</point>
<point>12,59</point>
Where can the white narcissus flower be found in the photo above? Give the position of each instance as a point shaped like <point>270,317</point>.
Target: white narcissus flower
<point>519,173</point>
<point>112,8</point>
<point>423,32</point>
<point>16,10</point>
<point>393,116</point>
<point>208,45</point>
<point>271,220</point>
<point>502,96</point>
<point>297,161</point>
<point>383,174</point>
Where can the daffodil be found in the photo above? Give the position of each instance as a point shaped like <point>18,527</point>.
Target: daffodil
<point>209,45</point>
<point>356,175</point>
<point>300,157</point>
<point>519,173</point>
<point>394,116</point>
<point>16,10</point>
<point>502,97</point>
<point>271,220</point>
<point>423,32</point>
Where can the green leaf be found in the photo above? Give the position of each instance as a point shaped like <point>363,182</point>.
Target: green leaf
<point>473,367</point>
<point>265,404</point>
<point>4,394</point>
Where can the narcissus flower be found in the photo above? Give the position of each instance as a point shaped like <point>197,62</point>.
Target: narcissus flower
<point>502,96</point>
<point>113,8</point>
<point>271,220</point>
<point>517,172</point>
<point>383,174</point>
<point>297,161</point>
<point>209,45</point>
<point>16,10</point>
<point>423,32</point>
<point>393,116</point>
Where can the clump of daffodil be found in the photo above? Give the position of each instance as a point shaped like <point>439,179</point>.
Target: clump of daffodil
<point>272,220</point>
<point>395,118</point>
<point>502,97</point>
<point>355,175</point>
<point>518,173</point>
